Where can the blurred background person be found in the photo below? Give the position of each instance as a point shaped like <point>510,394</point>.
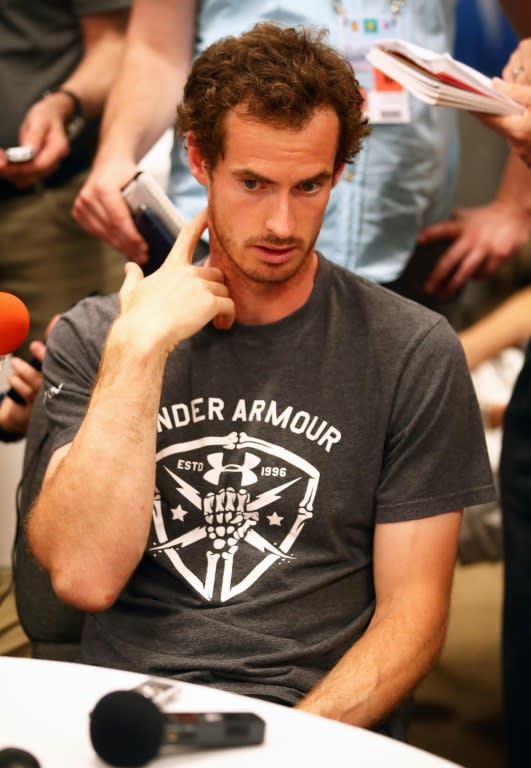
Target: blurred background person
<point>490,223</point>
<point>510,324</point>
<point>515,462</point>
<point>58,60</point>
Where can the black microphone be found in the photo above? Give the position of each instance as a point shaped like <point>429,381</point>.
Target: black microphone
<point>127,729</point>
<point>12,757</point>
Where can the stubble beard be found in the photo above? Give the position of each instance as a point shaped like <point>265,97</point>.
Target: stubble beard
<point>227,247</point>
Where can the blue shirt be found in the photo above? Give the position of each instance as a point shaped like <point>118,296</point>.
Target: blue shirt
<point>402,180</point>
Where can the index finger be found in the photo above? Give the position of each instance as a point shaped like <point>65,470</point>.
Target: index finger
<point>184,247</point>
<point>442,230</point>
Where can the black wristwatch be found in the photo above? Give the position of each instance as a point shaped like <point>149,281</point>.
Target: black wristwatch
<point>76,122</point>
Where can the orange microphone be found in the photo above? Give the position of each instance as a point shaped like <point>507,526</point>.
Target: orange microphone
<point>14,323</point>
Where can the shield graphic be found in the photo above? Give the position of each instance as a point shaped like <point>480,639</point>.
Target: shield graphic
<point>227,507</point>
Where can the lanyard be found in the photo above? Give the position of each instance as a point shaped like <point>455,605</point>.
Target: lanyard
<point>396,7</point>
<point>384,100</point>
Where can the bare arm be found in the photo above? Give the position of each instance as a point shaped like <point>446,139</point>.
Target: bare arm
<point>90,524</point>
<point>44,124</point>
<point>413,568</point>
<point>143,101</point>
<point>141,106</point>
<point>103,43</point>
<point>507,325</point>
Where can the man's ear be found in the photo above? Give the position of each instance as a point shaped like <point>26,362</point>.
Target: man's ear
<point>195,160</point>
<point>337,174</point>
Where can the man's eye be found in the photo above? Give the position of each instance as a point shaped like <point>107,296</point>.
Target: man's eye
<point>308,186</point>
<point>250,183</point>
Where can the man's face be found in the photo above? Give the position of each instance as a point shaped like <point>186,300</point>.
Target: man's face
<point>268,194</point>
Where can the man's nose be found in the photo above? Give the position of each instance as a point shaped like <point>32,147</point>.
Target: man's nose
<point>281,218</point>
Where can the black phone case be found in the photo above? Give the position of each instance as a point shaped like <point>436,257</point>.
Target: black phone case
<point>156,235</point>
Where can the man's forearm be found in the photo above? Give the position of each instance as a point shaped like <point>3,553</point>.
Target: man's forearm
<point>385,664</point>
<point>509,324</point>
<point>413,563</point>
<point>103,42</point>
<point>90,523</point>
<point>142,103</point>
<point>133,125</point>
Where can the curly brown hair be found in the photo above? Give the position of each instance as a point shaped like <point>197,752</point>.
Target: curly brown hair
<point>277,75</point>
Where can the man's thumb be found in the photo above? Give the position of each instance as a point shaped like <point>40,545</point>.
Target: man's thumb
<point>133,275</point>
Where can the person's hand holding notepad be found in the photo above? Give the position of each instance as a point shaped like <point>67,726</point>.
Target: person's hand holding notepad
<point>438,79</point>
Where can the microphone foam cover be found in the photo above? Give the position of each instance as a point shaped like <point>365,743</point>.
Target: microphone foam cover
<point>12,757</point>
<point>14,322</point>
<point>126,729</point>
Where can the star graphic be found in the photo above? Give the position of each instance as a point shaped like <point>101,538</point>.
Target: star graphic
<point>179,513</point>
<point>274,519</point>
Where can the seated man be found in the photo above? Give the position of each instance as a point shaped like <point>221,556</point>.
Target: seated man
<point>260,463</point>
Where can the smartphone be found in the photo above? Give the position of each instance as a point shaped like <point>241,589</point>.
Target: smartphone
<point>156,235</point>
<point>20,154</point>
<point>155,217</point>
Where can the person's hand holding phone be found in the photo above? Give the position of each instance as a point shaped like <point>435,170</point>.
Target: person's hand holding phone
<point>101,210</point>
<point>42,142</point>
<point>20,154</point>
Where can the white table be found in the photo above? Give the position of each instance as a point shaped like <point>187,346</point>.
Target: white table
<point>45,705</point>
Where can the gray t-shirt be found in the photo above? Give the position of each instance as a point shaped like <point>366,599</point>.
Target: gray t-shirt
<point>279,447</point>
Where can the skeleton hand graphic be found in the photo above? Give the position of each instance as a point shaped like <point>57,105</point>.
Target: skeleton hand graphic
<point>227,519</point>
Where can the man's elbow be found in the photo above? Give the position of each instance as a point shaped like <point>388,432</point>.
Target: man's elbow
<point>83,590</point>
<point>75,583</point>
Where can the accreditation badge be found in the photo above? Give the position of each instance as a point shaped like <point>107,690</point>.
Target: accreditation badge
<point>385,100</point>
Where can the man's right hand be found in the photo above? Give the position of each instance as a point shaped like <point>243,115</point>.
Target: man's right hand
<point>101,210</point>
<point>172,304</point>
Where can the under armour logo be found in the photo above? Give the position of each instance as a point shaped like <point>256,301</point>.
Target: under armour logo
<point>246,469</point>
<point>52,392</point>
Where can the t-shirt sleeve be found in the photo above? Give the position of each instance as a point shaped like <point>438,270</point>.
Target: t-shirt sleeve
<point>71,364</point>
<point>435,457</point>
